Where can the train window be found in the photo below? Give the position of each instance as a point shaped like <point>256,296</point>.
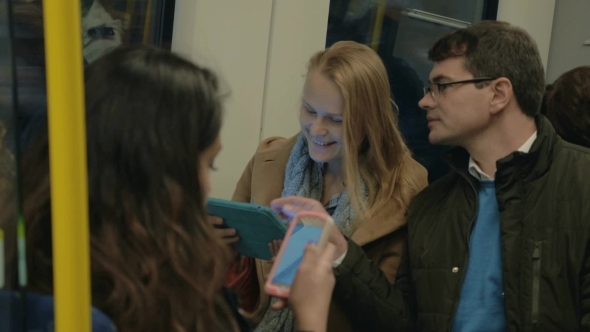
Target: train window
<point>9,205</point>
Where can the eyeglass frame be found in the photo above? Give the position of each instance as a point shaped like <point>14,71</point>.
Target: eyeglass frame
<point>428,89</point>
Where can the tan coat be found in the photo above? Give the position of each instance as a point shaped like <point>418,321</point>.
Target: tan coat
<point>381,237</point>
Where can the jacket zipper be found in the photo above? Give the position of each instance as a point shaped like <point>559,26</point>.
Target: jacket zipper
<point>466,261</point>
<point>536,282</point>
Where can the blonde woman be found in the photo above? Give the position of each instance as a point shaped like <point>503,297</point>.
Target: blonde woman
<point>350,156</point>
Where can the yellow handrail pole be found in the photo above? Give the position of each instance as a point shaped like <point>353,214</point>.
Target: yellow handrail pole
<point>147,23</point>
<point>69,188</point>
<point>378,25</point>
<point>131,12</point>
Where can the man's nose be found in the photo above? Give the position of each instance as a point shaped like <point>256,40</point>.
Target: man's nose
<point>427,102</point>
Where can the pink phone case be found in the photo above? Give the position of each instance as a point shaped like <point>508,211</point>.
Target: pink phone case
<point>281,290</point>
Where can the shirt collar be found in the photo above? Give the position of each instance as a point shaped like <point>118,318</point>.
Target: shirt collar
<point>478,173</point>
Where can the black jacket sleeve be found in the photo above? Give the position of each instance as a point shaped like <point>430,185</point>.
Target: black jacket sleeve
<point>368,299</point>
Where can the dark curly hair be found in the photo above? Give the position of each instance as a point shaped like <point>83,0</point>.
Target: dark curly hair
<point>155,262</point>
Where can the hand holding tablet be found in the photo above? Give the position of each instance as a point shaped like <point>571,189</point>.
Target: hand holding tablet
<point>255,225</point>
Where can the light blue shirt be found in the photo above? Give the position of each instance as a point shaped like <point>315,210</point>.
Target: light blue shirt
<point>481,303</point>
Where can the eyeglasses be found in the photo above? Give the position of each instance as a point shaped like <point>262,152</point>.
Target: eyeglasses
<point>435,89</point>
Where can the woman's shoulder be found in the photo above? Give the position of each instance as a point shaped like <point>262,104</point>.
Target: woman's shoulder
<point>414,174</point>
<point>276,143</point>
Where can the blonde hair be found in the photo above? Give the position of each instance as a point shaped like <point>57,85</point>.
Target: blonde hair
<point>373,145</point>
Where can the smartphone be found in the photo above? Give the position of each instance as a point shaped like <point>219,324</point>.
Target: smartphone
<point>305,228</point>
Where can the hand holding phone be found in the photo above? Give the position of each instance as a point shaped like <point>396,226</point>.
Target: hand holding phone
<point>290,206</point>
<point>307,227</point>
<point>311,292</point>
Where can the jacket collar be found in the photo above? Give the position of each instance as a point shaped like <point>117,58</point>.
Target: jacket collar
<point>517,165</point>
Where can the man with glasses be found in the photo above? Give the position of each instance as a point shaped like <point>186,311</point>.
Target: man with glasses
<point>502,242</point>
<point>496,222</point>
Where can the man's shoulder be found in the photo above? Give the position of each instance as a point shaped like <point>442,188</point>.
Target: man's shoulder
<point>575,152</point>
<point>437,203</point>
<point>574,158</point>
<point>572,164</point>
<point>438,190</point>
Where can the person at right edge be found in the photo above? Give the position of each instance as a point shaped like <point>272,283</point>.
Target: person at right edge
<point>568,106</point>
<point>502,242</point>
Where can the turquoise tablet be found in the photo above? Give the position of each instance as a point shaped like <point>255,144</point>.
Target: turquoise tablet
<point>256,225</point>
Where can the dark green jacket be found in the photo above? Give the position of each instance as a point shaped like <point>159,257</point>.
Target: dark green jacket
<point>544,202</point>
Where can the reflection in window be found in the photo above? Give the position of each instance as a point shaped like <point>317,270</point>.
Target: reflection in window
<point>401,32</point>
<point>107,24</point>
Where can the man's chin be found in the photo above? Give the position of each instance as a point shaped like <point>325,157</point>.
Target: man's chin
<point>435,139</point>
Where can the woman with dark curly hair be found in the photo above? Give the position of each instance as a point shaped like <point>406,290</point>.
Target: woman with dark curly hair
<point>153,121</point>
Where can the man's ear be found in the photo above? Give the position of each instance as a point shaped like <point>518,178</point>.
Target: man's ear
<point>502,94</point>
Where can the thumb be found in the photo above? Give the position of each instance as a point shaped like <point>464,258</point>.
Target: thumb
<point>279,305</point>
<point>327,255</point>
